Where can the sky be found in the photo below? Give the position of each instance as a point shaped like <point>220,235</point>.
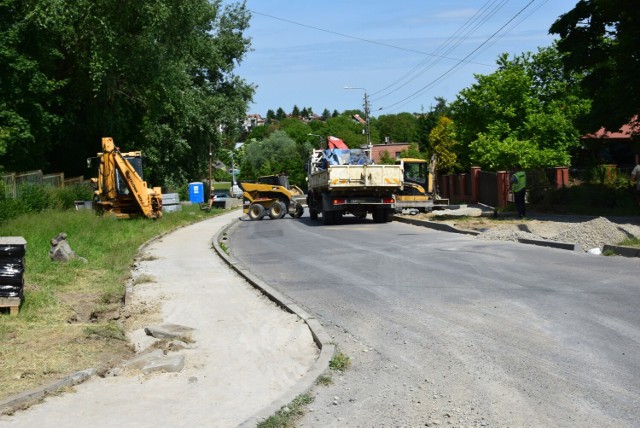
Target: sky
<point>401,53</point>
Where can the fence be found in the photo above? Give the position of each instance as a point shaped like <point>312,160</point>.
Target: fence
<point>14,182</point>
<point>492,188</point>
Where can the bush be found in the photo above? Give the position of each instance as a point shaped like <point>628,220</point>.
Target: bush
<point>591,199</point>
<point>67,196</point>
<point>34,198</point>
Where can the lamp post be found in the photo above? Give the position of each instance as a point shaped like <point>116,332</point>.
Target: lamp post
<point>210,160</point>
<point>366,118</point>
<point>233,176</point>
<point>319,138</point>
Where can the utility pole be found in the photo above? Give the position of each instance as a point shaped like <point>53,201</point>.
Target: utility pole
<point>210,161</point>
<point>366,120</point>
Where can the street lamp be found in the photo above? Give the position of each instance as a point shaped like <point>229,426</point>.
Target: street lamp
<point>366,118</point>
<point>320,137</point>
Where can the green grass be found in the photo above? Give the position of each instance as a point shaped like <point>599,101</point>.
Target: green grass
<point>286,417</point>
<point>69,319</point>
<point>631,242</point>
<point>340,362</point>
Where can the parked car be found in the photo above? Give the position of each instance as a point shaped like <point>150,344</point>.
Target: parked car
<point>220,198</point>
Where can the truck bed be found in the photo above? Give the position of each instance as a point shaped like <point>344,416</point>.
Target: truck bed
<point>354,177</point>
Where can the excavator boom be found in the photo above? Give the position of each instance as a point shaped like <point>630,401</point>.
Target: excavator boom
<point>120,189</point>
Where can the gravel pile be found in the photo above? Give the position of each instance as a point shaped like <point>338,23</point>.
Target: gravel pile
<point>593,233</point>
<point>589,234</point>
<point>503,234</point>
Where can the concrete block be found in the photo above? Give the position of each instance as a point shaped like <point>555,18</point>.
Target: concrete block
<point>169,364</point>
<point>142,360</point>
<point>169,331</point>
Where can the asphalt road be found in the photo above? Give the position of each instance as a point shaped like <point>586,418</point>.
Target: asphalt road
<point>443,328</point>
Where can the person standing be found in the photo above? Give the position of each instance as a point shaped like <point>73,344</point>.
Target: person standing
<point>635,175</point>
<point>519,188</point>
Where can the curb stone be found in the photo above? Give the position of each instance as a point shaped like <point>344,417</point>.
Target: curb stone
<point>29,397</point>
<point>320,337</point>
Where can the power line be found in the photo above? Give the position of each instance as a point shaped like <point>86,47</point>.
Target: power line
<point>362,39</point>
<point>486,12</point>
<point>455,66</point>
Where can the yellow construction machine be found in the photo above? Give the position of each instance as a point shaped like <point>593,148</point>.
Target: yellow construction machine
<point>273,196</point>
<point>417,194</point>
<point>119,188</point>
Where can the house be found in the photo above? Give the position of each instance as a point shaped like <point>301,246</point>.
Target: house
<point>611,147</point>
<point>394,150</point>
<point>251,121</point>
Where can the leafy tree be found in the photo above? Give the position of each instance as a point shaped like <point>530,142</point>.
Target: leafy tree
<point>428,121</point>
<point>295,112</point>
<point>326,114</point>
<point>442,140</point>
<point>413,151</point>
<point>295,129</point>
<point>276,154</point>
<point>386,158</point>
<point>522,113</point>
<point>151,73</point>
<point>398,127</point>
<point>601,38</point>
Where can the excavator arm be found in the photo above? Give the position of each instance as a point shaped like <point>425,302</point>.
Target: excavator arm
<point>136,198</point>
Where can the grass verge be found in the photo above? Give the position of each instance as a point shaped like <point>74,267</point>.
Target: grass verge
<point>287,416</point>
<point>70,317</point>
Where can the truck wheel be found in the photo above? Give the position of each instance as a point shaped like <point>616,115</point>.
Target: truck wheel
<point>313,214</point>
<point>277,210</point>
<point>328,218</point>
<point>298,212</point>
<point>256,212</point>
<point>379,215</point>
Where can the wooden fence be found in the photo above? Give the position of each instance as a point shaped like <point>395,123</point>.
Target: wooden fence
<point>13,182</point>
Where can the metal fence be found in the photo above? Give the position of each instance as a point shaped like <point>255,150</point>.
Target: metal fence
<point>14,182</point>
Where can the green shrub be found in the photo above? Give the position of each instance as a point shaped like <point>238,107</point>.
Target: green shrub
<point>67,196</point>
<point>591,199</point>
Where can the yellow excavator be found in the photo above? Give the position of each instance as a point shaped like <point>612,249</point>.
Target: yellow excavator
<point>418,191</point>
<point>119,188</point>
<point>272,195</point>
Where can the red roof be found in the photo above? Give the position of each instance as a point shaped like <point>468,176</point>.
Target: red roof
<point>624,133</point>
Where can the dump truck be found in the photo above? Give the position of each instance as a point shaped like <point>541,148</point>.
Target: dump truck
<point>344,181</point>
<point>119,188</point>
<point>272,195</point>
<point>417,194</point>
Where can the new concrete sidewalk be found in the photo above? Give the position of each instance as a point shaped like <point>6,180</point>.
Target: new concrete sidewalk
<point>249,356</point>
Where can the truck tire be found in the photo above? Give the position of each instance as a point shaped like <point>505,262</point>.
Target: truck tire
<point>298,212</point>
<point>328,218</point>
<point>256,212</point>
<point>277,210</point>
<point>379,215</point>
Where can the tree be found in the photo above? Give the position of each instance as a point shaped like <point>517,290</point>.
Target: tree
<point>295,112</point>
<point>280,114</point>
<point>442,140</point>
<point>522,113</point>
<point>398,127</point>
<point>273,155</point>
<point>271,116</point>
<point>154,74</point>
<point>601,38</point>
<point>427,121</point>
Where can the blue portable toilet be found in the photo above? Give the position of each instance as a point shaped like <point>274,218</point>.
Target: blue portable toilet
<point>196,192</point>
